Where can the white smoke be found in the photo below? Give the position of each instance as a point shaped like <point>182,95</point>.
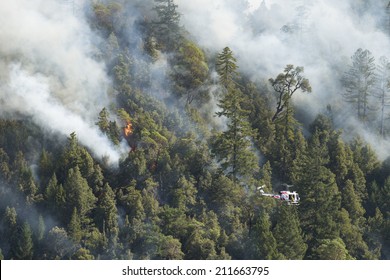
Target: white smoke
<point>33,93</point>
<point>49,73</point>
<point>326,35</point>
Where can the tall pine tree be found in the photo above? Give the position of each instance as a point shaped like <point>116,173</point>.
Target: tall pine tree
<point>288,234</point>
<point>359,82</point>
<point>166,27</point>
<point>233,146</point>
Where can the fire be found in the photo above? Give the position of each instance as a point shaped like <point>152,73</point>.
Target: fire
<point>128,129</point>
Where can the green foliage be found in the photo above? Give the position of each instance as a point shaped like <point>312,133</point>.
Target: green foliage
<point>332,249</point>
<point>170,249</point>
<point>190,72</point>
<point>233,147</point>
<point>74,227</point>
<point>23,177</point>
<point>5,171</point>
<point>321,200</point>
<point>288,234</point>
<point>263,243</point>
<point>285,85</point>
<point>227,68</point>
<point>22,249</point>
<point>350,201</point>
<point>9,231</point>
<point>106,213</point>
<point>187,188</point>
<point>55,195</point>
<point>82,254</point>
<point>166,27</point>
<point>106,15</point>
<point>352,235</point>
<point>78,194</point>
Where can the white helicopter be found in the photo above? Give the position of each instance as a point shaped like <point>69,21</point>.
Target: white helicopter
<point>292,198</point>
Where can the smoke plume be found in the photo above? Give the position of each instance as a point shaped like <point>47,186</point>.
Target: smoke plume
<point>49,73</point>
<point>319,35</point>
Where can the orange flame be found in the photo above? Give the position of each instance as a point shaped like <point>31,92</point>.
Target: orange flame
<point>128,129</point>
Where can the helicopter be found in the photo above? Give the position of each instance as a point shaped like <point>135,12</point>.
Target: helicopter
<point>292,198</point>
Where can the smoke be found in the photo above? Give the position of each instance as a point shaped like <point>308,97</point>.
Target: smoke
<point>33,94</point>
<point>49,73</point>
<point>319,35</point>
<point>49,46</point>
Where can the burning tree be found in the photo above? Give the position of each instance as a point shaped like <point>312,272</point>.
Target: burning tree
<point>128,129</point>
<point>125,117</point>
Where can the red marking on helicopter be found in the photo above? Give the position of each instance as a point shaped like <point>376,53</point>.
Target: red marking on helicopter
<point>292,198</point>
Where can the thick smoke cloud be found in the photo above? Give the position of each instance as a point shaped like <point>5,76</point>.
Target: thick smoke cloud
<point>319,35</point>
<point>48,71</point>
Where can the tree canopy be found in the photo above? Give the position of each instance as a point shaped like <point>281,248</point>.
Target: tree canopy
<point>195,135</point>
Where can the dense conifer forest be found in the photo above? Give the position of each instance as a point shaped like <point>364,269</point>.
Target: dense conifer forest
<point>124,136</point>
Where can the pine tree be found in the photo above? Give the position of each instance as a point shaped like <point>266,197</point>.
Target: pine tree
<point>184,194</point>
<point>109,128</point>
<point>352,203</point>
<point>384,201</point>
<point>233,147</point>
<point>352,236</point>
<point>359,82</point>
<point>263,243</point>
<point>383,90</point>
<point>23,247</point>
<point>321,199</point>
<point>9,228</point>
<point>46,166</point>
<point>374,235</point>
<point>266,175</point>
<point>198,246</point>
<point>364,156</point>
<point>23,177</point>
<point>339,159</point>
<point>74,227</point>
<point>107,214</point>
<point>5,170</point>
<point>78,194</point>
<point>288,234</point>
<point>75,155</point>
<point>167,29</point>
<point>103,121</point>
<point>227,68</point>
<point>55,195</point>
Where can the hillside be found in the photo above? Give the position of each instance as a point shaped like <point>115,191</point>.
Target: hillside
<point>143,129</point>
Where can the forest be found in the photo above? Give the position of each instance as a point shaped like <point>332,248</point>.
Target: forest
<point>143,129</point>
